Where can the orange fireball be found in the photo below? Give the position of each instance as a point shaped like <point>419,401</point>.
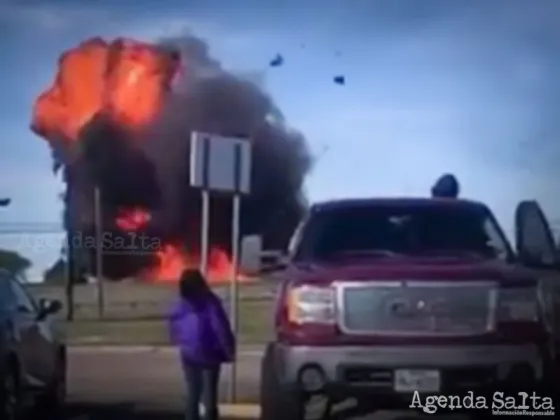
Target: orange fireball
<point>127,81</point>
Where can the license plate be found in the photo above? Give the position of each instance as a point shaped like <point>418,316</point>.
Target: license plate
<point>410,380</point>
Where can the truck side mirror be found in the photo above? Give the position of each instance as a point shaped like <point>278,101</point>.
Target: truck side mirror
<point>250,254</point>
<point>273,261</point>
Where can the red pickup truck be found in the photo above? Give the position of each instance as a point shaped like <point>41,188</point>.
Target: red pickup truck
<point>384,297</point>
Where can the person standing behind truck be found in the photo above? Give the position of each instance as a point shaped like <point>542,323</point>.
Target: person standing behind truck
<point>446,186</point>
<point>199,326</point>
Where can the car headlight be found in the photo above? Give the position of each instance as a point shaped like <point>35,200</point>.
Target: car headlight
<point>518,304</point>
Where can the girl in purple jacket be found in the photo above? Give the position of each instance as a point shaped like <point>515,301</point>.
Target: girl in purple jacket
<point>199,326</point>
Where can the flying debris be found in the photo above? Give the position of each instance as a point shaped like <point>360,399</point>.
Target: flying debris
<point>339,80</point>
<point>277,61</point>
<point>447,186</point>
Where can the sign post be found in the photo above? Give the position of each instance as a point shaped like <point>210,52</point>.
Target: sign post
<point>205,231</point>
<point>222,164</point>
<point>234,289</point>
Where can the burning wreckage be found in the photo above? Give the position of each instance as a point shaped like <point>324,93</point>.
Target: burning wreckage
<point>119,115</point>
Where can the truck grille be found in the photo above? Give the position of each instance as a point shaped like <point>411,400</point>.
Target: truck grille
<point>417,308</point>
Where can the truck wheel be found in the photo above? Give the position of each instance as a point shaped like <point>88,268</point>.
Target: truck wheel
<point>277,403</point>
<point>550,386</point>
<point>10,394</point>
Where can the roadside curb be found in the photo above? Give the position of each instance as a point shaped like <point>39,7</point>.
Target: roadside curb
<point>77,349</point>
<point>240,411</point>
<point>85,348</point>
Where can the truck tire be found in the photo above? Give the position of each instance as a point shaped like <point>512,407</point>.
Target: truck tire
<point>550,386</point>
<point>277,402</point>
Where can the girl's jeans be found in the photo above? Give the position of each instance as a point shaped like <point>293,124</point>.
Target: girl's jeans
<point>202,386</point>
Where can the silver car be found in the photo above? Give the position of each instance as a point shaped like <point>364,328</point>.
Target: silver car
<point>32,355</point>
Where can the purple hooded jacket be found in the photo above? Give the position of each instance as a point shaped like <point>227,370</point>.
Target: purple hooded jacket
<point>202,331</point>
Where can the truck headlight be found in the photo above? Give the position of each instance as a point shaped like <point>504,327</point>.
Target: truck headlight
<point>310,304</point>
<point>518,304</point>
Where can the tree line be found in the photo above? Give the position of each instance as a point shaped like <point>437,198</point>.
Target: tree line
<point>17,265</point>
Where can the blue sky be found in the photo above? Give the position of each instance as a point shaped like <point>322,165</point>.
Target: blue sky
<point>469,87</point>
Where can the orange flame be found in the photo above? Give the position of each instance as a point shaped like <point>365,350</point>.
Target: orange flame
<point>127,81</point>
<point>133,219</point>
<point>172,261</point>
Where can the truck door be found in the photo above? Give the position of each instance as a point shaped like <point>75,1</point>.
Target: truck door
<point>537,250</point>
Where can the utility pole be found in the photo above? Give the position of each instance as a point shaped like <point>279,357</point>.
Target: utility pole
<point>99,253</point>
<point>70,273</point>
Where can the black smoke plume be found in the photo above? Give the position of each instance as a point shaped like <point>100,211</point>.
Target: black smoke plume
<point>151,171</point>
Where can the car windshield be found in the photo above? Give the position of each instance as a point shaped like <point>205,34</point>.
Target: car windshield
<point>437,230</point>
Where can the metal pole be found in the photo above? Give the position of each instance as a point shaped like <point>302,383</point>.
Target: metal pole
<point>70,267</point>
<point>70,251</point>
<point>234,289</point>
<point>205,232</point>
<point>99,253</point>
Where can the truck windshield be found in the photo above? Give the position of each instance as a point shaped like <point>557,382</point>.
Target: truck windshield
<point>438,229</point>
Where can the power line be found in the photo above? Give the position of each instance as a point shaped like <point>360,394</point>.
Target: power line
<point>30,228</point>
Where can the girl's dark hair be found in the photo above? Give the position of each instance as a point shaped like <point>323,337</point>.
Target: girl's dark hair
<point>192,284</point>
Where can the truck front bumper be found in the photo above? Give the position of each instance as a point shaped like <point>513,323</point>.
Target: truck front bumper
<point>354,371</point>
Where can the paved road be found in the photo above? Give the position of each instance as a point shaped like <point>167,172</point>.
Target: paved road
<point>145,377</point>
<point>147,385</point>
<point>139,384</point>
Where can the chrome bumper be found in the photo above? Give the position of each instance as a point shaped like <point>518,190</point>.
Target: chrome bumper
<point>290,360</point>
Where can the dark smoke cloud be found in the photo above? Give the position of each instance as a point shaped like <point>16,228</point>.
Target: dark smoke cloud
<point>152,171</point>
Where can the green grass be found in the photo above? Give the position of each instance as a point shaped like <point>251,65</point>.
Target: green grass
<point>255,327</point>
